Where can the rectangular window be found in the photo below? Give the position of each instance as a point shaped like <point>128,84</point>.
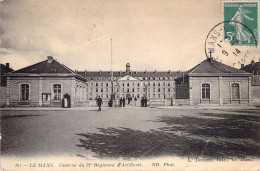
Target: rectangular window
<point>57,91</point>
<point>24,88</point>
<point>205,91</point>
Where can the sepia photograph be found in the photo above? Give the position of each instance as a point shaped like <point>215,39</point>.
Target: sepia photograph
<point>129,85</point>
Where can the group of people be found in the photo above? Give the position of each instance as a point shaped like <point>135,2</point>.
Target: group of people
<point>122,101</point>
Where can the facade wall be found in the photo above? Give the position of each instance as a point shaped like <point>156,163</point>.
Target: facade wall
<point>256,95</point>
<point>220,90</point>
<point>15,91</point>
<point>243,89</point>
<point>41,91</point>
<point>197,90</point>
<point>2,96</point>
<point>154,89</point>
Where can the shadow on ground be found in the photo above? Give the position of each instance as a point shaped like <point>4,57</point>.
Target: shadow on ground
<point>17,116</point>
<point>197,138</point>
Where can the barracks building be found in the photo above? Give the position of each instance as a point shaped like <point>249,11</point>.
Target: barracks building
<point>50,83</point>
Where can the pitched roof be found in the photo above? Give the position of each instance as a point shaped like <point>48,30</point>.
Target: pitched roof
<point>252,68</point>
<point>88,74</point>
<point>210,66</point>
<point>45,67</point>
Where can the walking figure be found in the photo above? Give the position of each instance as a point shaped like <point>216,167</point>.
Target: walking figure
<point>99,103</point>
<point>241,33</point>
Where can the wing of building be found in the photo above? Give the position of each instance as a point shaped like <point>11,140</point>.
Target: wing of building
<point>45,84</point>
<point>212,82</point>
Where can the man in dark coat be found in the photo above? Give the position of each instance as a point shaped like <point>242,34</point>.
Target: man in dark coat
<point>99,103</point>
<point>120,102</point>
<point>123,101</point>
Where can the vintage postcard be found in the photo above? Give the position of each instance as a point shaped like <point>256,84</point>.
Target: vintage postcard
<point>129,85</point>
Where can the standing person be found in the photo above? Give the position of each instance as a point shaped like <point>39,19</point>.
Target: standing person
<point>128,99</point>
<point>145,102</point>
<point>142,102</point>
<point>123,101</point>
<point>120,102</point>
<point>99,103</point>
<point>135,100</point>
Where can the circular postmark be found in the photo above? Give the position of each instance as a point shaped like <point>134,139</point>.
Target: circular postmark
<point>232,43</point>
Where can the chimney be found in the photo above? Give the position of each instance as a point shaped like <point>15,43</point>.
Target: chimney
<point>170,71</point>
<point>7,65</point>
<point>100,72</point>
<point>252,62</point>
<point>242,65</point>
<point>210,60</point>
<point>50,58</point>
<point>145,72</point>
<point>85,72</point>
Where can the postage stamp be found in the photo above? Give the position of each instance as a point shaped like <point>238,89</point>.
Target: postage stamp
<point>243,22</point>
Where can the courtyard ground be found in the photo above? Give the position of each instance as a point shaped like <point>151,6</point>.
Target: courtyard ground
<point>131,133</point>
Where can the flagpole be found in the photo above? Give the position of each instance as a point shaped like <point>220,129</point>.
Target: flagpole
<point>112,85</point>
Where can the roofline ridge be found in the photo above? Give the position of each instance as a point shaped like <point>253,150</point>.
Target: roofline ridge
<point>192,69</point>
<point>65,66</point>
<point>27,66</point>
<point>232,67</point>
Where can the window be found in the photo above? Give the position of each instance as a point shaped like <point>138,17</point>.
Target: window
<point>235,91</point>
<point>158,89</point>
<point>205,91</point>
<point>101,84</point>
<point>133,90</point>
<point>96,89</point>
<point>154,84</point>
<point>96,84</point>
<point>101,89</point>
<point>24,89</point>
<point>107,84</point>
<point>127,84</point>
<point>56,91</point>
<point>169,84</point>
<point>169,90</point>
<point>159,84</point>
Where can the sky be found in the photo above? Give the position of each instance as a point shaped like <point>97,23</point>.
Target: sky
<point>149,34</point>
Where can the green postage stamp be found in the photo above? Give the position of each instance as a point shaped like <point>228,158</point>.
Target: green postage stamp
<point>242,26</point>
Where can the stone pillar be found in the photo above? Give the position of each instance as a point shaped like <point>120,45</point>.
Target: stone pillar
<point>190,90</point>
<point>250,90</point>
<point>72,92</point>
<point>220,90</point>
<point>40,91</point>
<point>8,91</point>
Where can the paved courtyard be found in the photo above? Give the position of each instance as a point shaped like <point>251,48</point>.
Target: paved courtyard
<point>131,133</point>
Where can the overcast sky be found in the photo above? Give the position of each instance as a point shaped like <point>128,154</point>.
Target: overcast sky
<point>149,34</point>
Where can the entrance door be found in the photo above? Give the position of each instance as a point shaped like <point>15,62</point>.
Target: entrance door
<point>235,91</point>
<point>46,99</point>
